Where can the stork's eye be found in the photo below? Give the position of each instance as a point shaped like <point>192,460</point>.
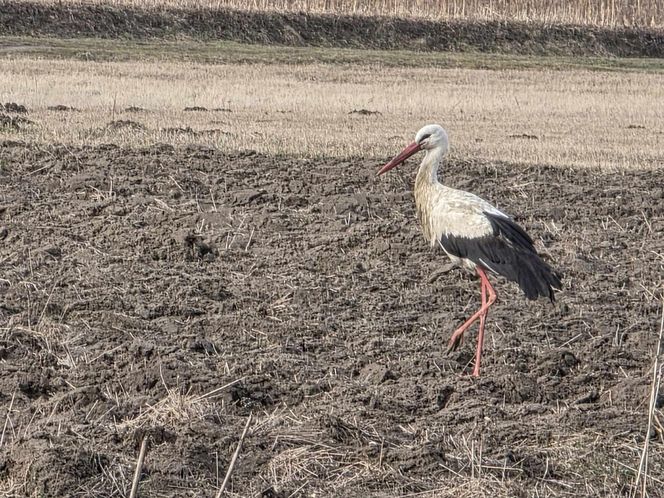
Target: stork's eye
<point>424,137</point>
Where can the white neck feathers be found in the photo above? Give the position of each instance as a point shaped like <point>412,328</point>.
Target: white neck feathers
<point>427,188</point>
<point>428,171</point>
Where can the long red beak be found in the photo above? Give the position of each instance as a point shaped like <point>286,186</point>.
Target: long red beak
<point>403,155</point>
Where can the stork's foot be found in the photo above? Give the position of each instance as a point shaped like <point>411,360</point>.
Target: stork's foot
<point>455,342</point>
<point>457,337</point>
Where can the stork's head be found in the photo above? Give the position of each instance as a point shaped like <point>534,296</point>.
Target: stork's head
<point>431,137</point>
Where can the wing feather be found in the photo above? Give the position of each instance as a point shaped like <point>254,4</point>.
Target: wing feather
<point>480,233</point>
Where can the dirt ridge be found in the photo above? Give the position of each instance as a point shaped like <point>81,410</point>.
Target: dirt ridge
<point>19,18</point>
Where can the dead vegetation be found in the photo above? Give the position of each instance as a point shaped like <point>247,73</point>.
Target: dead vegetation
<point>11,123</point>
<point>595,12</point>
<point>558,117</point>
<point>276,27</point>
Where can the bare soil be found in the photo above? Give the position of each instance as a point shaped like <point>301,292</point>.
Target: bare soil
<point>134,283</point>
<point>75,20</point>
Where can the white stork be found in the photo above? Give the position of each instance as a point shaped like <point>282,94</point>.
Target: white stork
<point>473,233</point>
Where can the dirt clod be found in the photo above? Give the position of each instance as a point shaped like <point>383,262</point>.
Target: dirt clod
<point>62,108</point>
<point>13,107</point>
<point>197,247</point>
<point>524,136</point>
<point>124,124</point>
<point>365,112</point>
<point>135,109</point>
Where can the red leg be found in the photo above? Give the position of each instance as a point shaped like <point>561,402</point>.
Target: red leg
<point>481,314</point>
<point>486,304</point>
<point>457,336</point>
<point>480,334</point>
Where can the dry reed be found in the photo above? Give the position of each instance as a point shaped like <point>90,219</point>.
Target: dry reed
<point>589,12</point>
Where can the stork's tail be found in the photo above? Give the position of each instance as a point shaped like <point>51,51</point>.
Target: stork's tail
<point>535,277</point>
<point>519,260</point>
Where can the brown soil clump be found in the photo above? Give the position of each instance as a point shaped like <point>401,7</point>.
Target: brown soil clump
<point>13,107</point>
<point>62,108</point>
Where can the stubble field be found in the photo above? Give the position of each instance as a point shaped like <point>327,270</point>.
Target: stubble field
<point>161,282</point>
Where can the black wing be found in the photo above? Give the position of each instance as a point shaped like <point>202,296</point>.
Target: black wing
<point>508,251</point>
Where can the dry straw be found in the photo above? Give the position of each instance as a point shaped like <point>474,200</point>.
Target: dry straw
<point>222,488</point>
<point>529,117</point>
<point>593,12</point>
<point>139,467</point>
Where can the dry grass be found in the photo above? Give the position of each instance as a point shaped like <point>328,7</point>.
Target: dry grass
<point>572,117</point>
<point>173,410</point>
<point>307,451</point>
<point>594,12</point>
